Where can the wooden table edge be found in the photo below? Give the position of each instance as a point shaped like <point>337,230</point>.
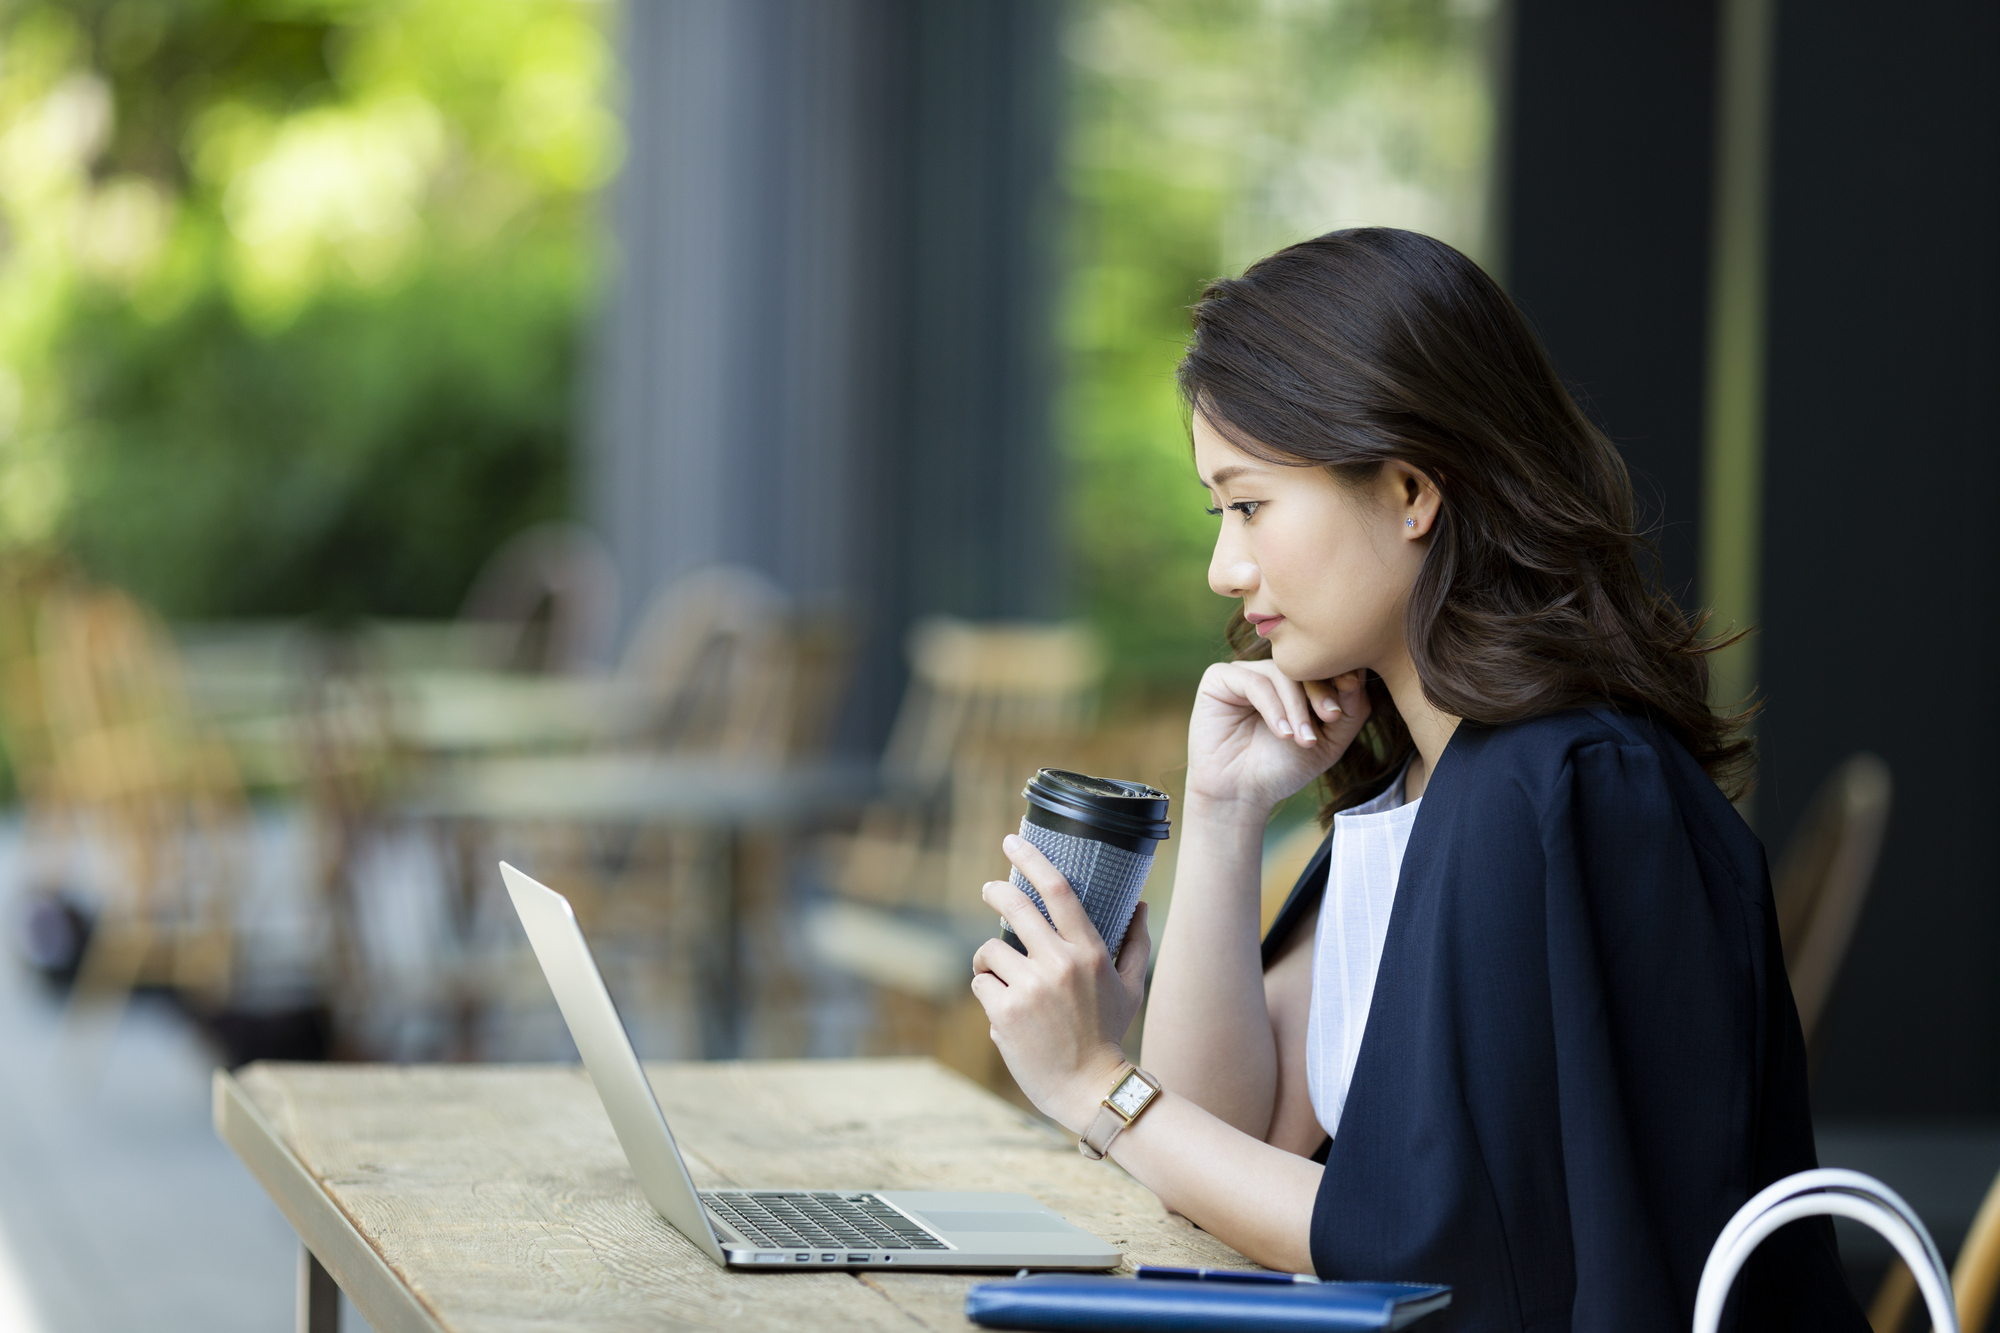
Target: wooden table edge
<point>382,1297</point>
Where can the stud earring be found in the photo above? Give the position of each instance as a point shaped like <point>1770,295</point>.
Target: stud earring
<point>1409,522</point>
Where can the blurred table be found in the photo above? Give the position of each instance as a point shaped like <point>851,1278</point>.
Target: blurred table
<point>723,802</point>
<point>459,712</point>
<point>642,789</point>
<point>467,1198</point>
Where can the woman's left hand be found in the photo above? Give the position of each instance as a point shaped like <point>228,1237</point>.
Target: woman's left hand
<point>1059,1011</point>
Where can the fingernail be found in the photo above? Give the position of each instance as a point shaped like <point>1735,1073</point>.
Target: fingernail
<point>1332,708</point>
<point>1282,727</point>
<point>1009,842</point>
<point>1306,735</point>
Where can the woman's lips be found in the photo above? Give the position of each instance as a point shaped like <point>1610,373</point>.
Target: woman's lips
<point>1263,624</point>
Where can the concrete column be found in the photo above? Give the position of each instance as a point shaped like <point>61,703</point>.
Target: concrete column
<point>827,349</point>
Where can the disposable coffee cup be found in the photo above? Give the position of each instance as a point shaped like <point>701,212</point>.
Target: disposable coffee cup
<point>1100,833</point>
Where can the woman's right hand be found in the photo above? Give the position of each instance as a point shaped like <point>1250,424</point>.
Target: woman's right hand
<point>1257,736</point>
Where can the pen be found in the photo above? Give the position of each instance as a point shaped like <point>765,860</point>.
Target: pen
<point>1219,1275</point>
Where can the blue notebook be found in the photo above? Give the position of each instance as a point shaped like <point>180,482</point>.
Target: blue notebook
<point>1186,1303</point>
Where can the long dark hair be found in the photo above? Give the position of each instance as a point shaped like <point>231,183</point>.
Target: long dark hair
<point>1538,592</point>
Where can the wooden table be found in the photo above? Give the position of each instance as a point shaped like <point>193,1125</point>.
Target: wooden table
<point>469,1198</point>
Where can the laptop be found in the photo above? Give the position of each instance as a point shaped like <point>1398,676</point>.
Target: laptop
<point>778,1228</point>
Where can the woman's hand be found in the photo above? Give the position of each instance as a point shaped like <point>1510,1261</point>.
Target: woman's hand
<point>1257,736</point>
<point>1059,1011</point>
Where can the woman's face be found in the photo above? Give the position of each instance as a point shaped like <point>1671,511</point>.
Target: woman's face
<point>1324,569</point>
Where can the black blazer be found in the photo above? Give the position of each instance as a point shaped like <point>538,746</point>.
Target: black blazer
<point>1582,1055</point>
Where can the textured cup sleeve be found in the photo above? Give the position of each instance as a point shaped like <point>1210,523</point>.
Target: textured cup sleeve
<point>1107,879</point>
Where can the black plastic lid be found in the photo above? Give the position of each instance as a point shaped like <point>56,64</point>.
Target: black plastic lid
<point>1112,804</point>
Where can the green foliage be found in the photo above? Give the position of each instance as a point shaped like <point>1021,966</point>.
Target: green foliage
<point>1205,133</point>
<point>363,459</point>
<point>291,291</point>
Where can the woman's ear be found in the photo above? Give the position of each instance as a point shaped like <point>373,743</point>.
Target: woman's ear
<point>1418,499</point>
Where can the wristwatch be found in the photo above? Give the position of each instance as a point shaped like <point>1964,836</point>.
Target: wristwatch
<point>1128,1099</point>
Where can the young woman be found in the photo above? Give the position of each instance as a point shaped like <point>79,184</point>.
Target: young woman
<point>1523,1026</point>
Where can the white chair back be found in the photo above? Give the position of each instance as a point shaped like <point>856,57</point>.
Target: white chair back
<point>1834,1192</point>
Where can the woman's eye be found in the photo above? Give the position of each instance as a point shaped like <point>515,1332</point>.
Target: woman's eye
<point>1247,508</point>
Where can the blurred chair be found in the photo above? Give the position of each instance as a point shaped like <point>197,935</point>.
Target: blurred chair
<point>1975,1278</point>
<point>1820,886</point>
<point>25,584</point>
<point>731,672</point>
<point>987,704</point>
<point>717,650</point>
<point>980,699</point>
<point>343,725</point>
<point>128,762</point>
<point>1822,880</point>
<point>553,589</point>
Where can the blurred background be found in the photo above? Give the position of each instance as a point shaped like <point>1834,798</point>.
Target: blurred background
<point>710,452</point>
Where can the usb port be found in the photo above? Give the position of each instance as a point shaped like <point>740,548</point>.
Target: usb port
<point>857,1258</point>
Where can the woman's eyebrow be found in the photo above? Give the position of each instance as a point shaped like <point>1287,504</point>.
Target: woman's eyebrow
<point>1229,473</point>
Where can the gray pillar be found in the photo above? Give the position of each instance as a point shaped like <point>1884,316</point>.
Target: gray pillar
<point>827,347</point>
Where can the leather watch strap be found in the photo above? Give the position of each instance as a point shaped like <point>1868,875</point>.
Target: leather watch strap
<point>1096,1140</point>
<point>1110,1121</point>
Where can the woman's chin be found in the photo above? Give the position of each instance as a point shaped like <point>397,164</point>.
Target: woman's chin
<point>1298,661</point>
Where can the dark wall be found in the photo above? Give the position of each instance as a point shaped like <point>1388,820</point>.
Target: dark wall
<point>1880,612</point>
<point>1605,219</point>
<point>1879,625</point>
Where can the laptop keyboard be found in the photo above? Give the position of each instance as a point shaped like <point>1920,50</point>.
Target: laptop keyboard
<point>806,1219</point>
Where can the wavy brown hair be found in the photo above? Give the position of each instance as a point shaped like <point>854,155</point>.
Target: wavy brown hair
<point>1538,592</point>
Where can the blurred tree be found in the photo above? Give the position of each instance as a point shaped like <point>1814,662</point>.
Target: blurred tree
<point>1205,133</point>
<point>291,291</point>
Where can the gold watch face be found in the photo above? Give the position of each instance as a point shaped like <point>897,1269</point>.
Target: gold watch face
<point>1130,1095</point>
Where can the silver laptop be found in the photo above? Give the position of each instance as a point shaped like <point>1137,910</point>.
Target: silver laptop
<point>778,1228</point>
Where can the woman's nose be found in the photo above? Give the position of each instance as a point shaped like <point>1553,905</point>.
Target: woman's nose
<point>1231,573</point>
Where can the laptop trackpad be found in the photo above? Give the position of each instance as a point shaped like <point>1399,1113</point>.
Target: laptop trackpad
<point>1012,1222</point>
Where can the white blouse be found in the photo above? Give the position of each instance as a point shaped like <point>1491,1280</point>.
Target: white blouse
<point>1367,858</point>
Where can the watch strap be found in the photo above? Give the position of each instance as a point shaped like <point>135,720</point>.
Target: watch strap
<point>1110,1121</point>
<point>1096,1140</point>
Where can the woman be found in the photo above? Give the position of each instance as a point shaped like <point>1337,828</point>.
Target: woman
<point>1524,1025</point>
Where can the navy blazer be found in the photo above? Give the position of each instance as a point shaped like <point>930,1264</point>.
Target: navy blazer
<point>1582,1054</point>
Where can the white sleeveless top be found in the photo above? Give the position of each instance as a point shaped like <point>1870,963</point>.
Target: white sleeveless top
<point>1366,859</point>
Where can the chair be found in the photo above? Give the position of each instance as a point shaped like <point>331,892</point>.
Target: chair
<point>725,668</point>
<point>987,704</point>
<point>1822,880</point>
<point>1825,1192</point>
<point>980,697</point>
<point>1975,1278</point>
<point>553,592</point>
<point>716,663</point>
<point>127,760</point>
<point>25,584</point>
<point>344,735</point>
<point>717,652</point>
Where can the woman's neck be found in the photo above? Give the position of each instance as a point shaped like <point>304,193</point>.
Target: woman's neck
<point>1429,726</point>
